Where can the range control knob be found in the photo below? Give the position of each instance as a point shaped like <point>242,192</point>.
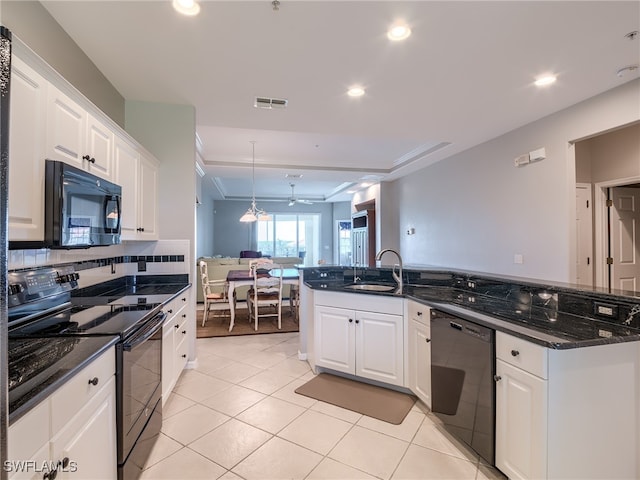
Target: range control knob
<point>15,288</point>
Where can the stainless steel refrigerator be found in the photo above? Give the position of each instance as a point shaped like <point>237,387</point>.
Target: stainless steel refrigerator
<point>5,80</point>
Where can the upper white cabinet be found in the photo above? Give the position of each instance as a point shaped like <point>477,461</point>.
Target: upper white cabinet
<point>137,174</point>
<point>76,137</point>
<point>47,123</point>
<point>26,153</point>
<point>148,199</point>
<point>361,335</point>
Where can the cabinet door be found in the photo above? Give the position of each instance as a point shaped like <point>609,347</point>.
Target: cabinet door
<point>148,200</point>
<point>100,140</point>
<point>89,439</point>
<point>66,127</point>
<point>379,347</point>
<point>334,338</point>
<point>26,153</point>
<point>420,361</point>
<point>521,423</point>
<point>126,163</point>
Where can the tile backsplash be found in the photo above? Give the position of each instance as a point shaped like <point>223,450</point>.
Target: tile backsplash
<point>100,264</point>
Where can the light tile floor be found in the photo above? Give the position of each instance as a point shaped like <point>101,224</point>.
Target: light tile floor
<point>236,416</point>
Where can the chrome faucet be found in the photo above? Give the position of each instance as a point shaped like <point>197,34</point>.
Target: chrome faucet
<point>397,277</point>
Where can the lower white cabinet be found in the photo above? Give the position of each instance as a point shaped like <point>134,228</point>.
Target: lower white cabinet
<point>76,442</point>
<point>419,345</point>
<point>567,413</point>
<point>521,423</point>
<point>359,342</point>
<point>175,344</point>
<point>73,431</point>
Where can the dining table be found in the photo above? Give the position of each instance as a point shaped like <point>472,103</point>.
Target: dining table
<point>237,278</point>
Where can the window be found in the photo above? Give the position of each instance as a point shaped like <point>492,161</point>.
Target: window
<point>288,235</point>
<point>344,242</point>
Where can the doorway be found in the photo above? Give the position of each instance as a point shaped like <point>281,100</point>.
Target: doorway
<point>607,208</point>
<point>618,249</point>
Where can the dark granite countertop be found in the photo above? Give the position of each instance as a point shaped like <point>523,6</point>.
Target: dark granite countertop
<point>136,285</point>
<point>525,312</point>
<point>72,355</point>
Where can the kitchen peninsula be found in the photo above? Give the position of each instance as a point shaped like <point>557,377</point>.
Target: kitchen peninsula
<point>563,355</point>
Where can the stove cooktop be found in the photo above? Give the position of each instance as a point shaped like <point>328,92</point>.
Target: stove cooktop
<point>114,319</point>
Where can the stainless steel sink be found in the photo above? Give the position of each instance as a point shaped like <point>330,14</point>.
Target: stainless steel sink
<point>371,287</point>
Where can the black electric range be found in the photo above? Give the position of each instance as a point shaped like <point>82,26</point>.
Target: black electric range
<point>53,333</point>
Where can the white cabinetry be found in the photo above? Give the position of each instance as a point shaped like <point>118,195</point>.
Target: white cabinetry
<point>26,153</point>
<point>419,339</point>
<point>76,137</point>
<point>138,176</point>
<point>567,413</point>
<point>521,408</point>
<point>69,425</point>
<point>361,335</point>
<point>175,342</point>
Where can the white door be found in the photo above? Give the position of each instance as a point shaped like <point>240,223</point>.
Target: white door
<point>420,361</point>
<point>521,423</point>
<point>26,153</point>
<point>584,234</point>
<point>99,148</point>
<point>334,338</point>
<point>126,171</point>
<point>66,128</point>
<point>624,214</point>
<point>380,347</point>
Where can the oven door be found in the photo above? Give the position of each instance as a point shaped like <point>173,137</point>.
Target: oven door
<point>140,368</point>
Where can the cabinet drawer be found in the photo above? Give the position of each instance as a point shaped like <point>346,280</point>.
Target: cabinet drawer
<point>174,307</point>
<point>418,312</point>
<point>29,433</point>
<point>528,356</point>
<point>75,394</point>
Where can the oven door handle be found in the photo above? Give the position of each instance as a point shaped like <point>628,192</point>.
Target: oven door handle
<point>145,333</point>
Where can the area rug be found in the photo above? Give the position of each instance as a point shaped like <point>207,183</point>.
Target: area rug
<point>219,326</point>
<point>377,402</point>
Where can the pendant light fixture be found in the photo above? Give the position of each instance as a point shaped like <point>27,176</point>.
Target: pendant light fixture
<point>254,213</point>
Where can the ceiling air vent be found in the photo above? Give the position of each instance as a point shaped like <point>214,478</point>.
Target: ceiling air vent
<point>264,102</point>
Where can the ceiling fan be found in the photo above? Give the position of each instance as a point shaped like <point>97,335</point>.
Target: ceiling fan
<point>293,200</point>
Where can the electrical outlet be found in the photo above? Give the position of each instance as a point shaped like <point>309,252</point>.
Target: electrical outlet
<point>518,258</point>
<point>471,284</point>
<point>605,310</point>
<point>604,333</point>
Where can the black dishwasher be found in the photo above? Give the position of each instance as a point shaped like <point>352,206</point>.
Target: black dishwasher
<point>462,386</point>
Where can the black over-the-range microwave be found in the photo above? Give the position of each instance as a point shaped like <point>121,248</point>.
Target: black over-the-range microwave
<point>81,210</point>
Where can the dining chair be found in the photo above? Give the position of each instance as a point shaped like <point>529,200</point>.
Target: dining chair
<point>294,301</point>
<point>215,294</point>
<point>266,291</point>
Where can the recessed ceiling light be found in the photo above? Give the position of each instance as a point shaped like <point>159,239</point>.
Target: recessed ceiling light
<point>398,31</point>
<point>355,91</point>
<point>545,80</point>
<point>186,7</point>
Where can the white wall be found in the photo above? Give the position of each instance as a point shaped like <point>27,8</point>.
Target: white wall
<point>475,210</point>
